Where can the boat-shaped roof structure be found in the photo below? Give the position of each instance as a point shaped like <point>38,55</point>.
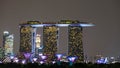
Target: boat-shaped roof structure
<point>62,23</point>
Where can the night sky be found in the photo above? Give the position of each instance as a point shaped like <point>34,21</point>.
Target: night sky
<point>104,38</point>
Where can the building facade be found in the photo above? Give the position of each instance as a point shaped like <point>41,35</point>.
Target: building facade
<point>8,40</point>
<point>30,41</point>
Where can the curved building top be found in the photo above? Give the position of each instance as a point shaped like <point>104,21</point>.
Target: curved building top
<point>62,23</point>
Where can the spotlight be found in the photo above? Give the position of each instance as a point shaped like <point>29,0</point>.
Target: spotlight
<point>43,57</point>
<point>34,59</point>
<point>40,54</point>
<point>23,61</point>
<point>59,56</point>
<point>41,62</point>
<point>27,55</point>
<point>11,57</point>
<point>72,59</point>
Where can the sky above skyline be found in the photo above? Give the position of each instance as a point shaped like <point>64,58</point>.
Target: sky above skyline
<point>104,38</point>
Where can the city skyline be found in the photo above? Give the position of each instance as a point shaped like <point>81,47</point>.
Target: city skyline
<point>100,39</point>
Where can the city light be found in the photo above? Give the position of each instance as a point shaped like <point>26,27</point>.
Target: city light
<point>27,55</point>
<point>35,59</point>
<point>23,61</point>
<point>87,24</point>
<point>72,59</point>
<point>59,56</point>
<point>43,57</point>
<point>62,25</point>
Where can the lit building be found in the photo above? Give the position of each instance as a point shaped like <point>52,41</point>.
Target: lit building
<point>8,43</point>
<point>30,42</point>
<point>27,38</point>
<point>50,39</point>
<point>38,47</point>
<point>75,46</point>
<point>1,53</point>
<point>38,41</point>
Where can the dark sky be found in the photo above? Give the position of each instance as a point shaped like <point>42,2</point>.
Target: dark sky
<point>104,38</point>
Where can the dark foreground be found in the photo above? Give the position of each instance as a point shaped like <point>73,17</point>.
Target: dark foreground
<point>61,65</point>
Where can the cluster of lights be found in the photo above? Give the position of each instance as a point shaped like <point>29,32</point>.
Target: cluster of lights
<point>16,60</point>
<point>72,59</point>
<point>41,59</point>
<point>102,60</point>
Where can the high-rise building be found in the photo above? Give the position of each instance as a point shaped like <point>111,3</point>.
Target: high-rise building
<point>26,39</point>
<point>50,39</point>
<point>75,46</point>
<point>1,53</point>
<point>30,41</point>
<point>8,40</point>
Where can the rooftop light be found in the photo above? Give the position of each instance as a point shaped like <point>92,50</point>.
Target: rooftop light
<point>62,25</point>
<point>86,24</point>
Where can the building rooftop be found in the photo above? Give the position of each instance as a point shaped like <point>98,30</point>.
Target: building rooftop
<point>62,23</point>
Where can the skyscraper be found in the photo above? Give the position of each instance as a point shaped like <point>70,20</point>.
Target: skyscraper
<point>8,40</point>
<point>75,46</point>
<point>30,41</point>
